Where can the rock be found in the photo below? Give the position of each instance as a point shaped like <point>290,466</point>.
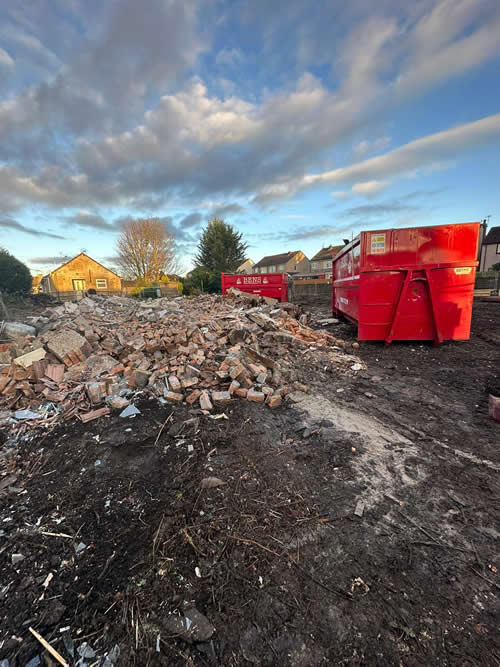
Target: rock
<point>26,360</point>
<point>17,558</point>
<point>85,651</point>
<point>117,402</point>
<point>141,377</point>
<point>68,346</point>
<point>192,627</point>
<point>211,482</point>
<point>360,508</point>
<point>329,320</point>
<point>238,335</point>
<point>356,367</point>
<point>355,346</point>
<point>18,329</point>
<point>53,613</point>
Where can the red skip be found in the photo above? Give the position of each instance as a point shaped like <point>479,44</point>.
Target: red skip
<point>274,285</point>
<point>408,284</point>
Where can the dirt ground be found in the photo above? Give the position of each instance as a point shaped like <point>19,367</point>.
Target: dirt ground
<point>356,525</point>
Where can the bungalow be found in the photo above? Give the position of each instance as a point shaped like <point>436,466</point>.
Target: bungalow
<point>80,274</point>
<point>287,262</point>
<point>322,260</point>
<point>490,249</point>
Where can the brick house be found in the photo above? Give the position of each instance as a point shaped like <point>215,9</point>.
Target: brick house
<point>287,262</point>
<point>79,275</point>
<point>322,261</point>
<point>490,249</point>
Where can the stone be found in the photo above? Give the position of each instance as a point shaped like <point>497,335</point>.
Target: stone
<point>68,346</point>
<point>205,402</point>
<point>298,386</point>
<point>17,558</point>
<point>261,378</point>
<point>174,397</point>
<point>117,402</point>
<point>494,407</point>
<point>18,329</point>
<point>141,378</point>
<point>26,360</point>
<point>274,401</point>
<point>192,627</point>
<point>257,396</point>
<point>221,396</point>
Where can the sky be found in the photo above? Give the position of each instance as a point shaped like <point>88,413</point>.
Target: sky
<point>299,123</point>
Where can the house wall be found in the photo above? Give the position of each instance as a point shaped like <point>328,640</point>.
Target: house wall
<point>489,256</point>
<point>83,268</point>
<point>299,264</point>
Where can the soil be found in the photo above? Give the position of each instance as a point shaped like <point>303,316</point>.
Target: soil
<point>357,524</point>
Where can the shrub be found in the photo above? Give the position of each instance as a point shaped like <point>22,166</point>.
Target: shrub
<point>14,275</point>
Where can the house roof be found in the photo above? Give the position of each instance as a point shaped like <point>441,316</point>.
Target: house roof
<point>84,255</point>
<point>492,237</point>
<point>283,258</point>
<point>327,253</point>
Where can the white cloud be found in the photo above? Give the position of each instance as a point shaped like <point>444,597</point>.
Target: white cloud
<point>370,188</point>
<point>417,154</point>
<point>230,57</point>
<point>5,59</point>
<point>367,146</point>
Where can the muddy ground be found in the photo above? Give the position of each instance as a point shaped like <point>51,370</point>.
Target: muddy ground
<point>358,524</point>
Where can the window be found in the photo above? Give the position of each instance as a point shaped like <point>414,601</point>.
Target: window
<point>498,248</point>
<point>314,266</point>
<point>281,267</point>
<point>272,269</point>
<point>101,283</point>
<point>263,269</point>
<point>327,264</point>
<point>78,285</point>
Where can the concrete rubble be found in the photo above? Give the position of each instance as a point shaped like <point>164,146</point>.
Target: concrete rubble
<point>87,358</point>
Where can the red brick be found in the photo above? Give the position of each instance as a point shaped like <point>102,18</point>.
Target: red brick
<point>221,396</point>
<point>256,396</point>
<point>205,402</point>
<point>274,401</point>
<point>193,396</point>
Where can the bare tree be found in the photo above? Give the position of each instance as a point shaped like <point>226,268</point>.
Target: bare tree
<point>146,249</point>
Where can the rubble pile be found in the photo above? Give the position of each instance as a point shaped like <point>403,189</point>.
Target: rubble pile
<point>84,359</point>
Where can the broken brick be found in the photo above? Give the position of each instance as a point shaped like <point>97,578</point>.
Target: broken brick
<point>221,396</point>
<point>274,401</point>
<point>193,396</point>
<point>256,396</point>
<point>174,396</point>
<point>205,402</point>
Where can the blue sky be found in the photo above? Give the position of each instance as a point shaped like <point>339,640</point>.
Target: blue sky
<point>299,124</point>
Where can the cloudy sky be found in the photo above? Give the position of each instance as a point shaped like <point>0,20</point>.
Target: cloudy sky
<point>299,122</point>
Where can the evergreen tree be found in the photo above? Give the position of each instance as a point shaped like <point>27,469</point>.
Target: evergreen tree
<point>14,275</point>
<point>220,248</point>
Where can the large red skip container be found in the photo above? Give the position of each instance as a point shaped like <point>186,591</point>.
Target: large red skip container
<point>274,285</point>
<point>408,284</point>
